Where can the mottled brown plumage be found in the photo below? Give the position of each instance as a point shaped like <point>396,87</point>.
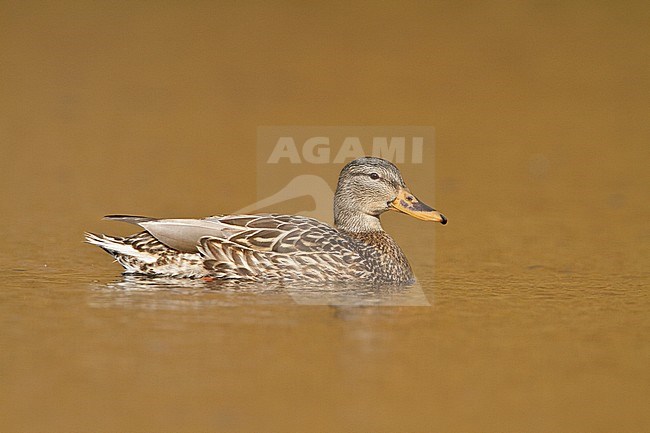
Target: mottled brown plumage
<point>282,247</point>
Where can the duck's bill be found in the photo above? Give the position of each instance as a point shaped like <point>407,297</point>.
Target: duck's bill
<point>407,203</point>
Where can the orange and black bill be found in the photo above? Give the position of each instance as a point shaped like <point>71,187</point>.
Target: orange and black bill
<point>407,203</point>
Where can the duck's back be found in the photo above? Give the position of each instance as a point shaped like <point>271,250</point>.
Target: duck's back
<point>256,247</point>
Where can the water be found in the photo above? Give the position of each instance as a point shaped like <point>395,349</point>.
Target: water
<point>499,348</point>
<point>531,310</point>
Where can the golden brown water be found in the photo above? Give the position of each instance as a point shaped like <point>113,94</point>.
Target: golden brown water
<point>539,318</point>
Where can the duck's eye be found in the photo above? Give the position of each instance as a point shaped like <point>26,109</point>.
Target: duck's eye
<point>374,176</point>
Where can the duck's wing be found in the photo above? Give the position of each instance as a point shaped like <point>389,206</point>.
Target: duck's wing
<point>282,246</point>
<point>179,234</point>
<point>281,233</point>
<point>264,233</point>
<point>260,246</point>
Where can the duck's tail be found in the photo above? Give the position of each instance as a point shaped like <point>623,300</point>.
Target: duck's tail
<point>141,253</point>
<point>117,247</point>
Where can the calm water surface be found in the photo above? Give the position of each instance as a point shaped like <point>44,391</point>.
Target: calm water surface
<point>498,349</point>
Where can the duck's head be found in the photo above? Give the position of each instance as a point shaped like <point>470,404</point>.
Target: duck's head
<point>370,186</point>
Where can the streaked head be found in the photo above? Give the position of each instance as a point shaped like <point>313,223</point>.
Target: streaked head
<point>368,187</point>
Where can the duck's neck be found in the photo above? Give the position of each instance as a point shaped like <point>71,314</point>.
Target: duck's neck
<point>355,221</point>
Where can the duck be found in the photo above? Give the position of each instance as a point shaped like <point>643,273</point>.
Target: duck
<point>277,247</point>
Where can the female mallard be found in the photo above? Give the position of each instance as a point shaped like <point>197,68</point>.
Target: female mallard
<point>282,247</point>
